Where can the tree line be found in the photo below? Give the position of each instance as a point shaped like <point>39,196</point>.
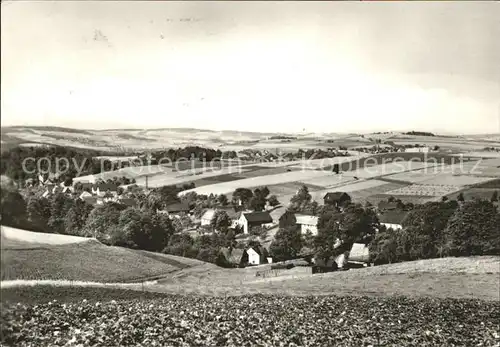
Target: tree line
<point>431,230</point>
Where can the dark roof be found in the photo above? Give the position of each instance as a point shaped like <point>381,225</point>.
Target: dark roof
<point>91,200</point>
<point>335,196</point>
<point>108,186</point>
<point>230,211</point>
<point>386,205</point>
<point>178,207</point>
<point>258,217</point>
<point>392,217</point>
<point>87,185</point>
<point>127,201</point>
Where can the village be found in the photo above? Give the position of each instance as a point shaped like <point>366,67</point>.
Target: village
<point>247,224</point>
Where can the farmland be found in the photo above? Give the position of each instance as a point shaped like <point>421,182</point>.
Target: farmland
<point>425,190</point>
<point>228,187</point>
<point>438,301</point>
<point>138,139</point>
<point>162,320</point>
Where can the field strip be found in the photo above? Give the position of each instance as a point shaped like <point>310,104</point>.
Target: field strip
<point>40,238</point>
<point>66,283</point>
<point>229,187</point>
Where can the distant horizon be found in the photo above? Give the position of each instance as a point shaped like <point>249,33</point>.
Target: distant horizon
<point>437,133</point>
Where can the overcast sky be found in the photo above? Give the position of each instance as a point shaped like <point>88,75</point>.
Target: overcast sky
<point>284,66</point>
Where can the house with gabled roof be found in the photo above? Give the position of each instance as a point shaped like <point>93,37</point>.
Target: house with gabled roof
<point>336,198</point>
<point>176,209</point>
<point>88,187</point>
<point>307,223</point>
<point>206,218</point>
<point>103,188</point>
<point>250,219</point>
<point>253,256</point>
<point>393,219</point>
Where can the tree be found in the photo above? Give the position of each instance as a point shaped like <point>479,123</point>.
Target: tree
<point>101,218</point>
<point>264,192</point>
<point>221,221</point>
<point>13,208</point>
<point>38,210</point>
<point>273,201</point>
<point>302,202</point>
<point>337,231</point>
<point>257,203</point>
<point>75,218</point>
<point>383,248</point>
<point>144,229</point>
<point>181,223</point>
<point>473,230</point>
<point>60,204</point>
<point>431,219</point>
<point>242,195</point>
<point>460,197</point>
<point>181,244</point>
<point>287,244</point>
<point>222,199</point>
<point>494,196</point>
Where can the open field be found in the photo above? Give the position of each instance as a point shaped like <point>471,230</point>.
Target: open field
<point>479,193</point>
<point>129,172</point>
<point>139,139</point>
<point>329,181</point>
<point>269,180</point>
<point>455,180</point>
<point>425,190</point>
<point>32,257</point>
<point>483,154</point>
<point>387,169</point>
<point>360,191</point>
<point>165,179</point>
<point>490,184</point>
<point>433,158</point>
<point>19,236</point>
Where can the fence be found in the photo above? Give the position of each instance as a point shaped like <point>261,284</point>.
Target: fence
<point>298,270</point>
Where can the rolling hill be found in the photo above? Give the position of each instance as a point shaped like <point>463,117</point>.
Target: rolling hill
<point>35,256</point>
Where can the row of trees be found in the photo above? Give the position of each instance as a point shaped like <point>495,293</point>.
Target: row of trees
<point>440,229</point>
<point>71,162</point>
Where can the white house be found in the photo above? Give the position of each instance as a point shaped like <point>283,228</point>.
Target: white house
<point>253,257</point>
<point>307,223</point>
<point>206,218</point>
<point>359,253</point>
<point>251,219</point>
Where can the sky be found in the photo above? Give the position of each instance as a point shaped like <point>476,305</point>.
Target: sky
<point>253,66</point>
